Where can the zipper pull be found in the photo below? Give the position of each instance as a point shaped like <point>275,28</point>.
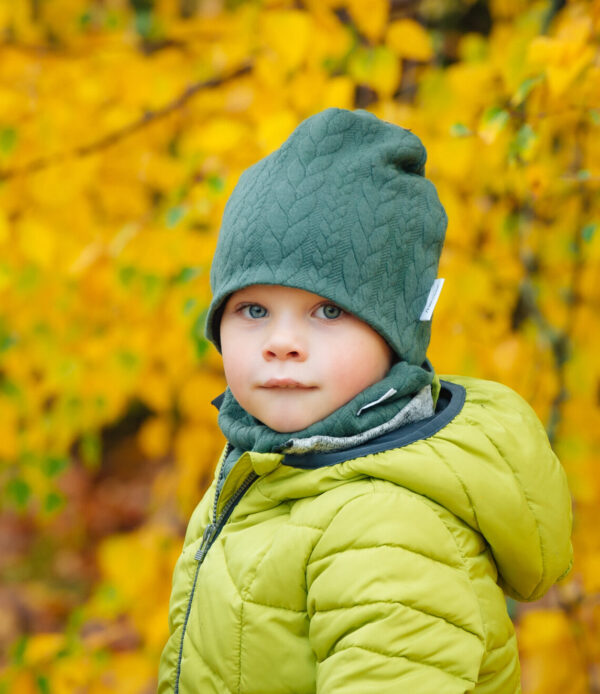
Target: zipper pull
<point>206,538</point>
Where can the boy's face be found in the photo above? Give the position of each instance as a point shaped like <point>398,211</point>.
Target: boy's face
<point>291,357</point>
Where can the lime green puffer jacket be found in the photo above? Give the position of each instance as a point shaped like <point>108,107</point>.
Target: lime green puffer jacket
<point>380,569</point>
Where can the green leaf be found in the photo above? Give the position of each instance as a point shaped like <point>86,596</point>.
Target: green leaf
<point>6,342</point>
<point>525,137</point>
<point>90,448</point>
<point>522,142</point>
<point>144,22</point>
<point>112,20</point>
<point>53,465</point>
<point>85,19</point>
<point>43,684</point>
<point>128,360</point>
<point>495,116</point>
<point>9,388</point>
<point>493,121</point>
<point>28,278</point>
<point>186,274</point>
<point>8,140</point>
<point>19,648</point>
<point>510,225</point>
<point>53,502</point>
<point>524,89</point>
<point>197,334</point>
<point>189,306</point>
<point>175,215</point>
<point>151,287</point>
<point>595,116</point>
<point>19,491</point>
<point>108,592</point>
<point>127,275</point>
<point>583,175</point>
<point>41,329</point>
<point>588,231</point>
<point>216,183</point>
<point>7,339</point>
<point>459,130</point>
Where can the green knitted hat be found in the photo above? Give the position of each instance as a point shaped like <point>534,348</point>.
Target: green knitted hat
<point>341,209</point>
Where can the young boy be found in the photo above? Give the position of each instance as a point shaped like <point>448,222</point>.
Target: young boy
<point>366,517</point>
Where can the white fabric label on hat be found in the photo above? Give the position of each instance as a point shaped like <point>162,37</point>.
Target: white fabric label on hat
<point>385,396</point>
<point>434,295</point>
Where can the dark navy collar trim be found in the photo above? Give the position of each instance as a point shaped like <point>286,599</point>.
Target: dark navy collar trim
<point>218,401</point>
<point>450,402</point>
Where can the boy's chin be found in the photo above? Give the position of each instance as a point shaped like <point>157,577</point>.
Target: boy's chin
<point>287,424</point>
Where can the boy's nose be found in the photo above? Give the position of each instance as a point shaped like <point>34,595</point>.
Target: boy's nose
<point>283,344</point>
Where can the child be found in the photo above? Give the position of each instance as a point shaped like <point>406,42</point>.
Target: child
<point>366,517</point>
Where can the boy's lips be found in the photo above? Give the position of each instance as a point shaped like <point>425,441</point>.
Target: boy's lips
<point>286,383</point>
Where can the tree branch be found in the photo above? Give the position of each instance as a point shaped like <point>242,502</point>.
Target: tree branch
<point>118,135</point>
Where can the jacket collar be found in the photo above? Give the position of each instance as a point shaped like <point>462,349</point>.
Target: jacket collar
<point>450,402</point>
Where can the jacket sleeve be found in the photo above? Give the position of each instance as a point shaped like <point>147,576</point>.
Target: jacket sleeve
<point>391,604</point>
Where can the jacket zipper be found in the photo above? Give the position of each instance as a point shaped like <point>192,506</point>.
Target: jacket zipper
<point>211,532</point>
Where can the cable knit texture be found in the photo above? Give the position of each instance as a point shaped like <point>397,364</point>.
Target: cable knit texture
<point>341,209</point>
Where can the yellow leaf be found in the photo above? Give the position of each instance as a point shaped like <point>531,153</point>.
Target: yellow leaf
<point>408,39</point>
<point>305,90</point>
<point>541,50</point>
<point>370,16</point>
<point>196,394</point>
<point>218,135</point>
<point>4,228</point>
<point>154,437</point>
<point>339,92</point>
<point>590,568</point>
<point>330,40</point>
<point>5,278</point>
<point>562,59</point>
<point>561,77</point>
<point>507,9</point>
<point>275,128</point>
<point>22,682</point>
<point>135,563</point>
<point>287,33</point>
<point>196,450</point>
<point>155,390</point>
<point>42,648</point>
<point>37,242</point>
<point>378,68</point>
<point>543,628</point>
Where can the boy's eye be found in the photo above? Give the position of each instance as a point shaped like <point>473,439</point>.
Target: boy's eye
<point>330,311</point>
<point>254,311</point>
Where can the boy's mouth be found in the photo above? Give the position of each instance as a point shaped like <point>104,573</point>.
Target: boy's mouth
<point>286,383</point>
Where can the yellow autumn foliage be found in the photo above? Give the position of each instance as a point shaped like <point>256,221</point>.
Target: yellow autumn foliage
<point>408,39</point>
<point>123,128</point>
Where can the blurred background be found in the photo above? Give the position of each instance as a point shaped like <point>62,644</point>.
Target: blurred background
<point>124,125</point>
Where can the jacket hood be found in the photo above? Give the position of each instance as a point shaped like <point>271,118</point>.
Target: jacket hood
<point>485,457</point>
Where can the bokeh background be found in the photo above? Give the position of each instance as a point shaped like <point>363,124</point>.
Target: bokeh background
<point>124,125</point>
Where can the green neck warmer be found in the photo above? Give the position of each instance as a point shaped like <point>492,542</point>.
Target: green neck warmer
<point>375,406</point>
